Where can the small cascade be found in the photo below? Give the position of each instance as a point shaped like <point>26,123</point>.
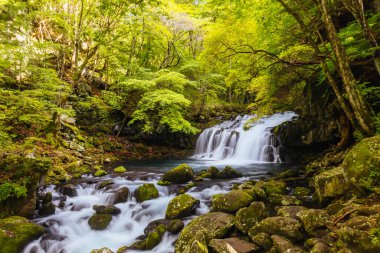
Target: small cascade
<point>229,140</point>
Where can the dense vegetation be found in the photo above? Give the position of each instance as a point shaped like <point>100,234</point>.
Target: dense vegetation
<point>76,74</point>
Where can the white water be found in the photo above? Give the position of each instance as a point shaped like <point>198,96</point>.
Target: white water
<point>229,141</point>
<point>69,231</point>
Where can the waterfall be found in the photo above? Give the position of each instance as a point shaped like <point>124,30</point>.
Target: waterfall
<point>229,140</point>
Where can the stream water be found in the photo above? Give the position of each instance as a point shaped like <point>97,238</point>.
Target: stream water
<point>68,229</point>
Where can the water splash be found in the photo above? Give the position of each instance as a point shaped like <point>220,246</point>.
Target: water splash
<point>229,140</point>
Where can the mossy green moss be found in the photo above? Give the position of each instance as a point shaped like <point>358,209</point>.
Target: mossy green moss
<point>120,169</point>
<point>100,173</point>
<point>154,238</point>
<point>146,192</point>
<point>301,191</point>
<point>247,217</point>
<point>99,221</point>
<point>231,202</point>
<point>181,206</point>
<point>16,232</point>
<point>275,187</point>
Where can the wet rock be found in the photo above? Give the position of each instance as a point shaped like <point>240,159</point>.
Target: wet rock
<point>263,240</point>
<point>301,191</point>
<point>163,183</point>
<point>233,245</point>
<point>102,250</point>
<point>334,208</point>
<point>172,226</point>
<point>100,173</point>
<point>100,221</point>
<point>69,190</point>
<point>139,245</point>
<point>213,172</point>
<point>215,225</point>
<point>247,217</point>
<point>255,192</point>
<point>331,183</point>
<point>186,188</point>
<point>16,232</point>
<point>284,200</point>
<point>313,219</point>
<point>283,226</point>
<point>274,187</point>
<point>229,172</point>
<point>362,164</point>
<point>146,192</point>
<point>179,175</point>
<point>123,249</point>
<point>181,206</point>
<point>100,209</point>
<point>47,207</point>
<point>175,226</point>
<point>290,211</point>
<point>320,247</point>
<point>231,202</point>
<point>283,245</point>
<point>154,238</point>
<point>104,184</point>
<point>119,169</point>
<point>121,195</point>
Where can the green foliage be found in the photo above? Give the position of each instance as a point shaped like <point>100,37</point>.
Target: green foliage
<point>163,109</point>
<point>12,190</point>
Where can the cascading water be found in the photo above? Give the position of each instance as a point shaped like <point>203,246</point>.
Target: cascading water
<point>229,140</point>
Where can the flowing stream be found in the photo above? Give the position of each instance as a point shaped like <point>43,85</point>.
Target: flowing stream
<point>68,229</point>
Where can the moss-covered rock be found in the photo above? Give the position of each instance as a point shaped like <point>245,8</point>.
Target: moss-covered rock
<point>119,169</point>
<point>213,172</point>
<point>100,221</point>
<point>357,240</point>
<point>264,240</point>
<point>320,247</point>
<point>231,202</point>
<point>104,184</point>
<point>283,226</point>
<point>154,237</point>
<point>121,195</point>
<point>198,244</point>
<point>172,226</point>
<point>16,232</point>
<point>275,187</point>
<point>123,249</point>
<point>181,174</point>
<point>100,173</point>
<point>181,206</point>
<point>255,192</point>
<point>247,217</point>
<point>233,245</point>
<point>362,164</point>
<point>47,207</point>
<point>301,191</point>
<point>213,225</point>
<point>69,190</point>
<point>229,172</point>
<point>313,219</point>
<point>101,209</point>
<point>290,211</point>
<point>284,200</point>
<point>163,183</point>
<point>102,250</point>
<point>283,245</point>
<point>175,226</point>
<point>187,187</point>
<point>330,184</point>
<point>146,192</point>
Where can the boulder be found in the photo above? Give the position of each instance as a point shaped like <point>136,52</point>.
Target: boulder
<point>119,169</point>
<point>357,240</point>
<point>121,195</point>
<point>313,219</point>
<point>198,244</point>
<point>334,208</point>
<point>255,192</point>
<point>173,226</point>
<point>100,221</point>
<point>283,226</point>
<point>320,247</point>
<point>247,217</point>
<point>101,209</point>
<point>283,245</point>
<point>181,174</point>
<point>229,172</point>
<point>263,240</point>
<point>213,172</point>
<point>104,184</point>
<point>290,211</point>
<point>154,237</point>
<point>284,200</point>
<point>362,164</point>
<point>16,232</point>
<point>235,245</point>
<point>146,192</point>
<point>331,183</point>
<point>69,190</point>
<point>213,225</point>
<point>102,250</point>
<point>181,206</point>
<point>274,187</point>
<point>231,202</point>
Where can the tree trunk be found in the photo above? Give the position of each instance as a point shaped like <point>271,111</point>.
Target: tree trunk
<point>358,105</point>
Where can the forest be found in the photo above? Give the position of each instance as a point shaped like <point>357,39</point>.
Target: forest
<point>86,85</point>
